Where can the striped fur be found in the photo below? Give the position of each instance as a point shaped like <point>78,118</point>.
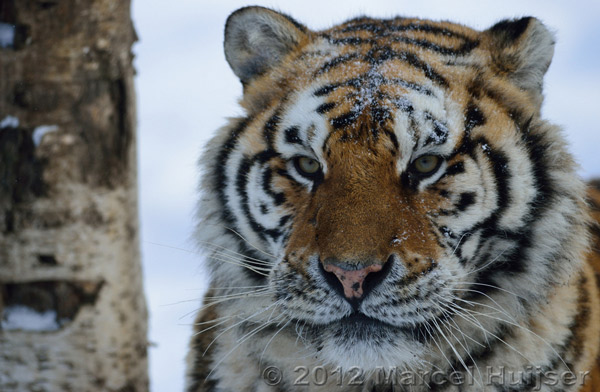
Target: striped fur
<point>483,263</point>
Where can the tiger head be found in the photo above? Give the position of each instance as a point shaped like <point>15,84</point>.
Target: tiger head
<point>388,175</point>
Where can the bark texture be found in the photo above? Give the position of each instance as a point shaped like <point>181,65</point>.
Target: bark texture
<point>73,315</point>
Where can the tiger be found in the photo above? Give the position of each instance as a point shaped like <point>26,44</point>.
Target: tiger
<point>391,213</point>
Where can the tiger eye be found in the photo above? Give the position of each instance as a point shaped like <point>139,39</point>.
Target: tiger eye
<point>426,163</point>
<point>307,166</point>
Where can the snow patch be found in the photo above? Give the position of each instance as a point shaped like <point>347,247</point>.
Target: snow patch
<point>19,317</point>
<point>9,121</point>
<point>7,35</point>
<point>39,132</point>
<point>397,240</point>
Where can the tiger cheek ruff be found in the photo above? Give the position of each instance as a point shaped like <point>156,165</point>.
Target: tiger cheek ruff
<point>392,213</point>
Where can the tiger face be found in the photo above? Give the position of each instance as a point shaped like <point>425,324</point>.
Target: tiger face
<point>391,180</point>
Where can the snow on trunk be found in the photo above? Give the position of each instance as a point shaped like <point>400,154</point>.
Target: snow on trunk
<point>72,311</point>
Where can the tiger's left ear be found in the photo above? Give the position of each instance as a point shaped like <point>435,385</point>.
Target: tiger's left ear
<point>521,50</point>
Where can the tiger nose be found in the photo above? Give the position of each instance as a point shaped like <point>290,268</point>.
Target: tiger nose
<point>357,280</point>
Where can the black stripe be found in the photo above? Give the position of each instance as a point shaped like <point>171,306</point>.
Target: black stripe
<point>473,118</point>
<point>270,128</point>
<point>593,204</point>
<point>325,90</point>
<point>294,183</point>
<point>221,180</point>
<point>291,135</point>
<point>350,41</point>
<point>440,131</point>
<point>576,340</point>
<point>537,150</point>
<point>344,120</point>
<point>462,50</point>
<point>510,30</point>
<point>380,115</point>
<point>481,354</point>
<point>384,26</point>
<point>500,167</point>
<point>241,186</point>
<point>378,55</point>
<point>403,104</point>
<point>516,113</point>
<point>457,168</point>
<point>466,200</point>
<point>415,61</point>
<point>359,82</point>
<point>428,29</point>
<point>278,198</point>
<point>411,86</point>
<point>393,138</point>
<point>220,175</point>
<point>326,107</point>
<point>370,27</point>
<point>328,66</point>
<point>512,262</point>
<point>595,231</point>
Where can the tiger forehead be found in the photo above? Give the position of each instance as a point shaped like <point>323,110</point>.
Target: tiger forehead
<point>375,41</point>
<point>367,71</point>
<point>404,30</point>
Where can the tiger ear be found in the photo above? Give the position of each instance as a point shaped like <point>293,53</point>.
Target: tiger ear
<point>521,49</point>
<point>257,39</point>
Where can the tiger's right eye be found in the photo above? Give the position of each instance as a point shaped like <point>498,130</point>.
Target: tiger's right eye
<point>306,166</point>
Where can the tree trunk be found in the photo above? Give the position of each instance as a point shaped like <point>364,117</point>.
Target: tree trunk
<point>72,311</point>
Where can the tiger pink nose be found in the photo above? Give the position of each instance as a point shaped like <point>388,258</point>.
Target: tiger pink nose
<point>352,280</point>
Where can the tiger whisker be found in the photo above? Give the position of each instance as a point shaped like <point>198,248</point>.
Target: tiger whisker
<point>238,323</point>
<point>213,303</point>
<point>500,308</point>
<point>242,341</point>
<point>448,316</point>
<point>212,246</point>
<point>265,267</point>
<point>426,325</point>
<point>533,333</point>
<point>493,287</point>
<point>263,290</point>
<point>458,356</point>
<point>494,335</point>
<point>239,287</point>
<point>215,320</point>
<point>251,268</point>
<point>245,260</point>
<point>450,311</point>
<point>459,311</point>
<point>248,242</point>
<point>458,244</point>
<point>270,340</point>
<point>212,326</point>
<point>485,265</point>
<point>221,252</point>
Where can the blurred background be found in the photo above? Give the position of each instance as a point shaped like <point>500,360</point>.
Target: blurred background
<point>185,91</point>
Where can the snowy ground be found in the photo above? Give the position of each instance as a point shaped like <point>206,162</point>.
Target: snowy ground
<point>186,90</point>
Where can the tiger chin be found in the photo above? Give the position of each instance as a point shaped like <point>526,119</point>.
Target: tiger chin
<point>392,201</point>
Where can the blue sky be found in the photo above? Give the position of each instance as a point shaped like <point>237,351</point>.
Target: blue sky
<point>185,91</point>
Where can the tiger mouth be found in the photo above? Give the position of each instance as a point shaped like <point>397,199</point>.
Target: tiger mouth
<point>361,320</point>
